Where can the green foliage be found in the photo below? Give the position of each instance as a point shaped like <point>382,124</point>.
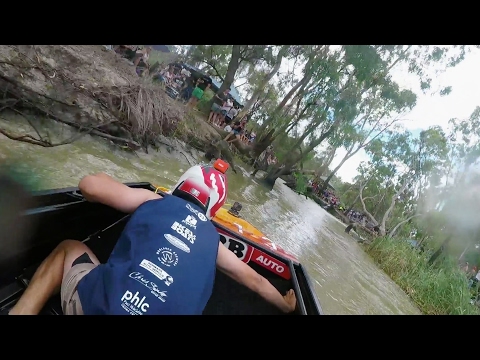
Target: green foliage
<point>439,290</point>
<point>216,57</point>
<point>446,91</point>
<point>161,57</point>
<point>301,182</point>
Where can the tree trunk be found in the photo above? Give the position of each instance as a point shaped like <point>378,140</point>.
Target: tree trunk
<point>389,210</point>
<point>277,172</point>
<point>284,130</point>
<point>390,235</point>
<point>284,102</point>
<point>261,86</point>
<point>329,177</point>
<point>377,208</point>
<point>351,152</point>
<point>261,144</point>
<point>231,71</point>
<point>364,206</point>
<point>437,253</point>
<point>464,251</point>
<point>327,160</point>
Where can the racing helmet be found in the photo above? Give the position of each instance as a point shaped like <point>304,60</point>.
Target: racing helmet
<point>204,186</point>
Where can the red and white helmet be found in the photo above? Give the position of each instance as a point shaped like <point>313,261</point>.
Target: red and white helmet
<point>204,186</point>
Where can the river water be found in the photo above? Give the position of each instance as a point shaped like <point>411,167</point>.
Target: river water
<point>345,278</point>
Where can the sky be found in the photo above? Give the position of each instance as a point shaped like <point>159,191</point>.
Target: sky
<point>430,109</point>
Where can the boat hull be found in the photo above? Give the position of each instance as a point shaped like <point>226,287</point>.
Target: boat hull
<point>64,214</point>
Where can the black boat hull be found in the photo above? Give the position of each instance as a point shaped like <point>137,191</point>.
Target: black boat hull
<point>64,214</point>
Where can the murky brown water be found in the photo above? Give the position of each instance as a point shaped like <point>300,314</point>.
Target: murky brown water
<point>346,280</point>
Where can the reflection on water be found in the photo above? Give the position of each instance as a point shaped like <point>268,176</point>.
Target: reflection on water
<point>345,278</point>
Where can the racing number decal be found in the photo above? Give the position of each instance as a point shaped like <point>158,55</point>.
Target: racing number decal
<point>247,253</point>
<point>239,248</point>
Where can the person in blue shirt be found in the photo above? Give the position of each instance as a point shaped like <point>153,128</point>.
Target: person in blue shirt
<point>163,263</point>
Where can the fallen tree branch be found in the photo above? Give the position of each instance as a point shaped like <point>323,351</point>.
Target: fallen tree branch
<point>16,83</point>
<point>188,160</point>
<point>31,140</point>
<point>28,120</point>
<point>130,143</point>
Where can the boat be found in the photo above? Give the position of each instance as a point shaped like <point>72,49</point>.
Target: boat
<point>64,214</point>
<point>241,227</point>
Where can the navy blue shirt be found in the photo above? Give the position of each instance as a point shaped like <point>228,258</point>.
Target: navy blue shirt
<point>163,263</point>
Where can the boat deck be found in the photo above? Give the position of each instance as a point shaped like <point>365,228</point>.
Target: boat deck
<point>228,298</point>
<point>62,214</point>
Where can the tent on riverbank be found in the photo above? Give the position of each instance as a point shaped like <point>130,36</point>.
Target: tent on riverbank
<point>322,179</point>
<point>216,84</point>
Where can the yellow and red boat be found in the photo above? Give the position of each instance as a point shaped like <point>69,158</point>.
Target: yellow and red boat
<point>243,228</point>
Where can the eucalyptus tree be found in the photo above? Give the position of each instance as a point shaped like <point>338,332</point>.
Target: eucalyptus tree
<point>337,82</point>
<point>402,166</point>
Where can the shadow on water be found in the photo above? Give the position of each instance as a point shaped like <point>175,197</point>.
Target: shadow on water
<point>345,278</point>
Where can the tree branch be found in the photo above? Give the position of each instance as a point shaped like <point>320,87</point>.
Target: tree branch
<point>392,205</point>
<point>364,206</point>
<point>44,143</point>
<point>212,65</point>
<point>390,235</point>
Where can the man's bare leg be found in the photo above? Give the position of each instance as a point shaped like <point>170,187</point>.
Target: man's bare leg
<point>47,280</point>
<point>211,117</point>
<point>220,120</point>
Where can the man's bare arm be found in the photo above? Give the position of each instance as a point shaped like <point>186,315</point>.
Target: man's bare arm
<point>103,189</point>
<point>231,265</point>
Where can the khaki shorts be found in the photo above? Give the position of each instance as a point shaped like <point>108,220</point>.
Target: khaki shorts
<point>69,295</point>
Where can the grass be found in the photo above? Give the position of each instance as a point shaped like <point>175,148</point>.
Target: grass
<point>440,289</point>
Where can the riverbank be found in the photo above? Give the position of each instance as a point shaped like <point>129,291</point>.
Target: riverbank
<point>360,233</point>
<point>440,289</point>
<point>96,92</point>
